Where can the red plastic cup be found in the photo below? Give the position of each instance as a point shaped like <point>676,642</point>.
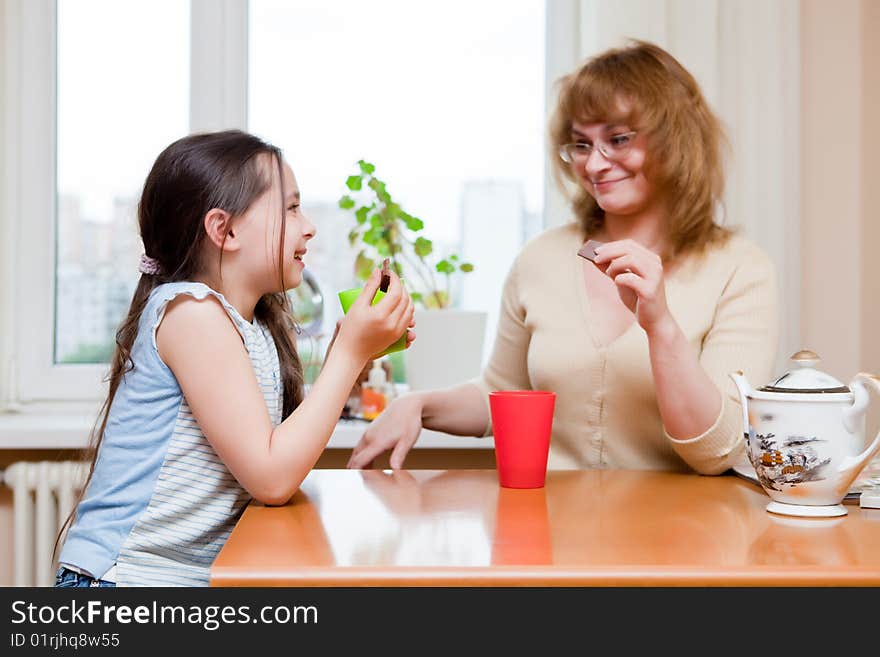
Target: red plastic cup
<point>522,421</point>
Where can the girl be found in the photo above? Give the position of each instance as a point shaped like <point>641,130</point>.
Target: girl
<point>636,338</point>
<point>205,408</point>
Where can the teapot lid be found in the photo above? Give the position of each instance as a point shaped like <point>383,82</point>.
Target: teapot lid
<point>804,378</point>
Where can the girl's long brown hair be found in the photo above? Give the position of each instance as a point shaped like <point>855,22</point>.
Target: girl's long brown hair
<point>192,176</point>
<point>646,88</point>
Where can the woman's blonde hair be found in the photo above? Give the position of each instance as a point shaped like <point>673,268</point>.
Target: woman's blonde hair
<point>643,86</point>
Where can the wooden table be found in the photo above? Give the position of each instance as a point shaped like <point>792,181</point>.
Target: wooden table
<point>585,528</point>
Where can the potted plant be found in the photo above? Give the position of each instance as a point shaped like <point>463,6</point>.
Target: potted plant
<point>383,229</point>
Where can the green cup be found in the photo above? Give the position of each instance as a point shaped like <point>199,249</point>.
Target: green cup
<point>347,297</point>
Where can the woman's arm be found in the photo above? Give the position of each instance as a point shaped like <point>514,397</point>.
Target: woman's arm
<point>698,403</point>
<point>743,336</point>
<point>688,399</point>
<point>459,410</point>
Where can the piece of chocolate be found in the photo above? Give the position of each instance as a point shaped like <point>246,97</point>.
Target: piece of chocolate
<point>588,250</point>
<point>386,278</point>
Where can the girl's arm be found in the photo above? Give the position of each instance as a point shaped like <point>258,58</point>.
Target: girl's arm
<point>200,345</point>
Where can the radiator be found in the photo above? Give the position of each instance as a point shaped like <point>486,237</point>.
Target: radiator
<point>43,494</point>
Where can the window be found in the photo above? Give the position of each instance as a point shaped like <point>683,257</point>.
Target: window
<point>89,100</point>
<point>445,99</point>
<point>121,100</point>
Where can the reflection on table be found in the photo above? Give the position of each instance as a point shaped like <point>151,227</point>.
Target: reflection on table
<point>585,528</point>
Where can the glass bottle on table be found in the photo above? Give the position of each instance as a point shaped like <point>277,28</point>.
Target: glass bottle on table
<point>373,392</point>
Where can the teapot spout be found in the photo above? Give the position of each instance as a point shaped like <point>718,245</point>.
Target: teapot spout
<point>742,384</point>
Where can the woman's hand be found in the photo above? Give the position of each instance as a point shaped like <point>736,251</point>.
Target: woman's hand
<point>396,428</point>
<point>368,329</point>
<point>638,274</point>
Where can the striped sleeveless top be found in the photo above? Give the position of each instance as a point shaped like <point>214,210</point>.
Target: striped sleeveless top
<point>161,503</point>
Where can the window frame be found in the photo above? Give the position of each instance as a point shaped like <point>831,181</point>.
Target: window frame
<point>218,100</point>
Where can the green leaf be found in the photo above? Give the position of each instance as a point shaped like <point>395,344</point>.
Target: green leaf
<point>453,257</point>
<point>377,221</point>
<point>423,247</point>
<point>366,167</point>
<point>416,297</point>
<point>354,183</point>
<point>413,223</point>
<point>346,202</point>
<point>466,267</point>
<point>363,266</point>
<point>445,267</point>
<point>379,188</point>
<point>353,236</point>
<point>362,213</point>
<point>373,236</point>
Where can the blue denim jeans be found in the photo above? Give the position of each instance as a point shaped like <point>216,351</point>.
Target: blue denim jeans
<point>66,579</point>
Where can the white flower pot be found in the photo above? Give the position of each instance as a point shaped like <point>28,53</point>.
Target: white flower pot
<point>448,349</point>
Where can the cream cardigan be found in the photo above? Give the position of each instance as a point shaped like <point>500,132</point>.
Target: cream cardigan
<point>606,415</point>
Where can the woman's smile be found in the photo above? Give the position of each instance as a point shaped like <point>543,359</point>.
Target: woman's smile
<point>605,185</point>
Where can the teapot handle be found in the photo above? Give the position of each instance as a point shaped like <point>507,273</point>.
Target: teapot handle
<point>863,380</point>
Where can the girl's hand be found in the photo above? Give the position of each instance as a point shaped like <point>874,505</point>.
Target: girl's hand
<point>638,274</point>
<point>410,336</point>
<point>368,329</point>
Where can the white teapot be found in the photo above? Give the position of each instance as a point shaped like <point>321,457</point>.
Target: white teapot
<point>805,436</point>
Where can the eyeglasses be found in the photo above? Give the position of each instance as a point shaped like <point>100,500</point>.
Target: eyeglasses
<point>614,150</point>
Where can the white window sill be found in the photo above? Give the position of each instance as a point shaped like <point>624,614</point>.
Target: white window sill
<point>71,431</point>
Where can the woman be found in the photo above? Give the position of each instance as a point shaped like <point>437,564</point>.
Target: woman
<point>638,343</point>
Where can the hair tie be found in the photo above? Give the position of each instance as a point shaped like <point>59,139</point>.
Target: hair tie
<point>148,265</point>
